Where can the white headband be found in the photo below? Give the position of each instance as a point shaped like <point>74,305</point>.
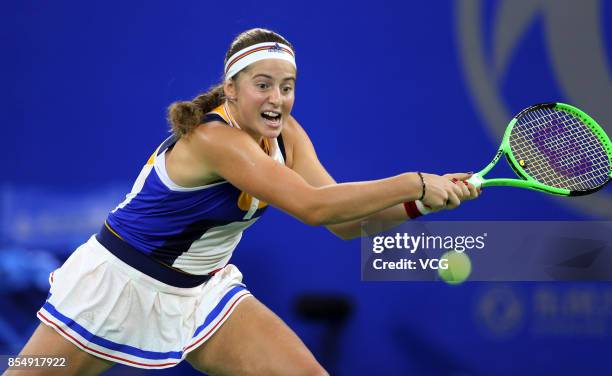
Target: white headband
<point>255,53</point>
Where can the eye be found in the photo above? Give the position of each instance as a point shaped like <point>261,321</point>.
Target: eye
<point>262,85</point>
<point>287,89</point>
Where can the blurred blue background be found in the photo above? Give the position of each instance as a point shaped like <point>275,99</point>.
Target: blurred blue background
<point>383,88</point>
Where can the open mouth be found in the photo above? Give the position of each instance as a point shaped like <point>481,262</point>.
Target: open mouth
<point>272,118</point>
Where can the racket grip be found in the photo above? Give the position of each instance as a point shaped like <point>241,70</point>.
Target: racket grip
<point>476,180</point>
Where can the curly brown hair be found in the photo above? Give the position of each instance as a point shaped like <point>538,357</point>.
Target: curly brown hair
<point>184,116</point>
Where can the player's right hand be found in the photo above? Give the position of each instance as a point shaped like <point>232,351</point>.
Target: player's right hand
<point>461,179</point>
<point>442,193</point>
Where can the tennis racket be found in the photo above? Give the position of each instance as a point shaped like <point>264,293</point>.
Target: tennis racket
<point>554,148</point>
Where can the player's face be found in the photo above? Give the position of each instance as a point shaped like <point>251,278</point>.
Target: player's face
<point>264,97</point>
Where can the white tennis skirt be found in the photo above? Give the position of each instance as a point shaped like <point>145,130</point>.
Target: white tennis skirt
<point>113,311</point>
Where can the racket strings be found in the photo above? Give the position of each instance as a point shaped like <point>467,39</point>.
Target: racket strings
<point>566,157</point>
<point>557,149</point>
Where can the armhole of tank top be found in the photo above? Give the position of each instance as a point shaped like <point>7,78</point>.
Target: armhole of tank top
<point>278,153</point>
<point>159,165</point>
<point>281,146</point>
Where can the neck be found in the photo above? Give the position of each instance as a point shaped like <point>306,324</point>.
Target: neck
<point>235,121</point>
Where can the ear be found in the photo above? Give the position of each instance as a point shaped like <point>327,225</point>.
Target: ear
<point>229,88</point>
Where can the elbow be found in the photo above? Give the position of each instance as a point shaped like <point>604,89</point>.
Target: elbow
<point>313,217</point>
<point>314,211</point>
<point>339,230</point>
<point>319,216</point>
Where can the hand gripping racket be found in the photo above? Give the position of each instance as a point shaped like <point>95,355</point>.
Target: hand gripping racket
<point>554,148</point>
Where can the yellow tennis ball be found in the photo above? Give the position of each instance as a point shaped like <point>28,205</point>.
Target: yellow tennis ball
<point>458,267</point>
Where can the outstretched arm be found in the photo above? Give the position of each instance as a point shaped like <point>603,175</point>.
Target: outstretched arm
<point>231,154</point>
<point>307,164</point>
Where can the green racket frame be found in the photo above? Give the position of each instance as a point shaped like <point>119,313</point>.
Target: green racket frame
<point>527,181</point>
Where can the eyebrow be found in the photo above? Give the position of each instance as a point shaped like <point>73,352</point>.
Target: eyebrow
<point>271,78</point>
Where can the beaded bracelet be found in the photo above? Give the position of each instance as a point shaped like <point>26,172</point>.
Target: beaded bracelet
<point>423,184</point>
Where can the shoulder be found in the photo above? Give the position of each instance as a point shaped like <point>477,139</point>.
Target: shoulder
<point>292,125</point>
<point>296,134</point>
<point>216,143</point>
<point>198,156</point>
<point>216,135</point>
<point>293,133</point>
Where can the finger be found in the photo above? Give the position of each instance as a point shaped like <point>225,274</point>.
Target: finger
<point>437,205</point>
<point>440,206</point>
<point>453,201</point>
<point>465,191</point>
<point>473,192</point>
<point>457,189</point>
<point>443,200</point>
<point>460,175</point>
<point>435,201</point>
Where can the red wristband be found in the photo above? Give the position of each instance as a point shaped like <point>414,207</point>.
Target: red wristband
<point>412,210</point>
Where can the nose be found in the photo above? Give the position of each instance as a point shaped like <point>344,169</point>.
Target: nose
<point>275,97</point>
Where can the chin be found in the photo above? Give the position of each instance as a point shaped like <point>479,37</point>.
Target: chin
<point>272,133</point>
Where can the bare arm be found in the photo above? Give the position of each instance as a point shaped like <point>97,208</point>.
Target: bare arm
<point>307,164</point>
<point>233,155</point>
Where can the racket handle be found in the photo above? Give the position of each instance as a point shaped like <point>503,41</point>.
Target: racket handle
<point>476,180</point>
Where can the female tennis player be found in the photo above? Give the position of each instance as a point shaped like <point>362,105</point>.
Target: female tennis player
<point>155,286</point>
